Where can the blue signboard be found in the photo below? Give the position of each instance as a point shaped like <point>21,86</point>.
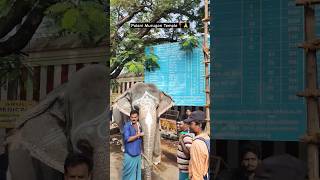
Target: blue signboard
<point>257,70</point>
<point>181,74</point>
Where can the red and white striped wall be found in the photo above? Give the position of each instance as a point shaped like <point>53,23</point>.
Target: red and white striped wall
<point>44,80</point>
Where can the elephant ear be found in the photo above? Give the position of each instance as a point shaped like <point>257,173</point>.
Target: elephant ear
<point>165,103</point>
<point>123,103</point>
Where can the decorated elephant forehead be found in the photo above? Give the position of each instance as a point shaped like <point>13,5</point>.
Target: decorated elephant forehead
<point>147,98</point>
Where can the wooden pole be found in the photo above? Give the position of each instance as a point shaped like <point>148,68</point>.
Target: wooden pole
<point>311,86</point>
<point>206,51</point>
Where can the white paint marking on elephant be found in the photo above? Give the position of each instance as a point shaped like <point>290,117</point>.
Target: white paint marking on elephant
<point>148,119</point>
<point>146,99</point>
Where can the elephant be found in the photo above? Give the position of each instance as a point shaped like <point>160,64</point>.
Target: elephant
<point>151,103</point>
<point>281,167</point>
<point>71,118</point>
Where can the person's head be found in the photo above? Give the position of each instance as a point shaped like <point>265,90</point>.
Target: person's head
<point>188,112</point>
<point>134,116</point>
<point>250,158</point>
<point>197,121</point>
<point>77,167</point>
<point>181,126</point>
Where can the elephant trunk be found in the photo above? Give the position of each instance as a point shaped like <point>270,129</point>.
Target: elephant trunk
<point>98,154</point>
<point>100,169</point>
<point>91,140</point>
<point>148,121</point>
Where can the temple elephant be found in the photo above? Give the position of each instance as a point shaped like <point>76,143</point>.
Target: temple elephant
<point>281,167</point>
<point>72,118</point>
<point>151,103</point>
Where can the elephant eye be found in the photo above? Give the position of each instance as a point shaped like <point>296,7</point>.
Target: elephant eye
<point>136,107</point>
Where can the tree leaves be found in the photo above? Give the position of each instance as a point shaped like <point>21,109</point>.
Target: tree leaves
<point>70,18</point>
<point>11,69</point>
<point>86,18</point>
<point>3,3</point>
<point>126,4</point>
<point>189,42</point>
<point>4,7</point>
<point>151,62</point>
<point>135,67</point>
<point>59,8</point>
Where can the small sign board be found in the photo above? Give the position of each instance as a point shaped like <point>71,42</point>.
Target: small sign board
<point>11,110</point>
<point>168,125</point>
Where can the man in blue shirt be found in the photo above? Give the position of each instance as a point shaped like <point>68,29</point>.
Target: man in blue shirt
<point>132,135</point>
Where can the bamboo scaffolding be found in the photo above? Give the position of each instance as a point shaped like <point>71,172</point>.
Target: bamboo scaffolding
<point>206,52</point>
<point>311,91</point>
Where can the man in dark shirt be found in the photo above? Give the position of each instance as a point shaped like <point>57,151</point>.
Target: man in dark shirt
<point>133,143</point>
<point>77,167</point>
<point>250,159</point>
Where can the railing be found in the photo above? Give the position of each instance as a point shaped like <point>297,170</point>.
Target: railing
<point>124,83</point>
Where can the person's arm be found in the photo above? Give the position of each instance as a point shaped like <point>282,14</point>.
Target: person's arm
<point>127,136</point>
<point>195,166</point>
<point>185,142</point>
<point>188,141</point>
<point>135,137</point>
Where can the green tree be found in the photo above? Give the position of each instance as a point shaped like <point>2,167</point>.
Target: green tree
<point>127,44</point>
<point>88,20</point>
<point>19,20</point>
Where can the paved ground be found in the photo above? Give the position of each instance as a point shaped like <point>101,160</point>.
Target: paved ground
<point>168,169</point>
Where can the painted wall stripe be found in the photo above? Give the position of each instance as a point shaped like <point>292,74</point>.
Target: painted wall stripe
<point>43,82</point>
<point>12,90</point>
<point>4,91</point>
<point>18,89</point>
<point>79,66</point>
<point>36,83</point>
<point>29,88</point>
<point>23,84</point>
<point>57,76</point>
<point>50,78</point>
<point>72,70</point>
<point>64,73</point>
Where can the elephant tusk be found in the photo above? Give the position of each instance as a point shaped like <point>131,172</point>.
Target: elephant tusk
<point>149,162</point>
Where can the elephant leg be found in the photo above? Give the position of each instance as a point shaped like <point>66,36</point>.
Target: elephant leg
<point>20,165</point>
<point>45,172</point>
<point>119,119</point>
<point>157,147</point>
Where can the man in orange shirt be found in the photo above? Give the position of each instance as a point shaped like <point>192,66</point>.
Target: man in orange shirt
<point>199,151</point>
